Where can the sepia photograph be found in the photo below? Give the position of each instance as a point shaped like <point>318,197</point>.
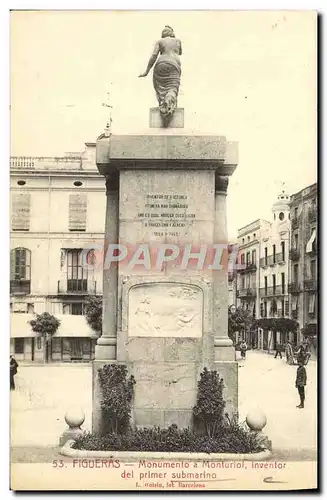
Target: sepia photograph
<point>164,306</point>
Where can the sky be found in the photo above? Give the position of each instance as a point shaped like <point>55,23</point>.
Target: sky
<point>250,76</point>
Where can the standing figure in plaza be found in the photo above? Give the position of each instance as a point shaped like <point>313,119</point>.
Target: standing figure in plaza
<point>13,371</point>
<point>166,72</point>
<point>279,350</point>
<point>300,382</point>
<point>243,349</point>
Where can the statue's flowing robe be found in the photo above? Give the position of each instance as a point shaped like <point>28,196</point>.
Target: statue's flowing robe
<point>166,80</point>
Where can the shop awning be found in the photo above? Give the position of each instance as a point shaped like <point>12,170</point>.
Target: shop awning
<point>70,326</point>
<point>311,241</point>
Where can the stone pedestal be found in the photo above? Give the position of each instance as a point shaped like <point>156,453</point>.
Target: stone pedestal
<point>166,195</point>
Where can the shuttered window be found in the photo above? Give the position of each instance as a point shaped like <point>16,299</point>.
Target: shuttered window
<point>77,212</point>
<point>20,211</point>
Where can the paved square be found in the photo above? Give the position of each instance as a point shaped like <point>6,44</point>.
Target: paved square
<point>44,393</point>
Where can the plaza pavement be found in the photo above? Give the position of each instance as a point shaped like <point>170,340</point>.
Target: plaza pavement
<point>44,393</point>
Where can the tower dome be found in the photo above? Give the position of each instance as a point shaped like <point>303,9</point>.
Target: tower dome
<point>281,207</point>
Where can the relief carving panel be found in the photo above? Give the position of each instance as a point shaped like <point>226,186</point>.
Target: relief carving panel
<point>165,310</point>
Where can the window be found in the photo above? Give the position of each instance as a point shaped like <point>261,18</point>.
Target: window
<point>274,254</point>
<point>281,216</point>
<point>296,273</point>
<point>254,235</point>
<point>312,303</point>
<point>248,238</point>
<point>296,241</point>
<point>266,284</point>
<point>262,309</point>
<point>38,342</point>
<point>313,269</point>
<point>20,270</point>
<point>283,250</point>
<point>242,258</point>
<point>296,210</point>
<point>20,212</point>
<point>243,282</point>
<point>265,309</point>
<point>248,258</point>
<point>74,308</point>
<point>283,283</point>
<point>243,241</point>
<point>19,346</point>
<point>266,256</point>
<point>287,308</point>
<point>254,257</point>
<point>283,307</point>
<point>77,212</point>
<point>274,281</point>
<point>76,273</point>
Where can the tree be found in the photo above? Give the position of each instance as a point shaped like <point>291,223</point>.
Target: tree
<point>282,325</point>
<point>239,321</point>
<point>46,325</point>
<point>93,312</point>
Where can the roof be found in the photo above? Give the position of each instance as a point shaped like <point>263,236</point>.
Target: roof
<point>70,326</point>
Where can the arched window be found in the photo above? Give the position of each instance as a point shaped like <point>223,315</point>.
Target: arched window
<point>20,271</point>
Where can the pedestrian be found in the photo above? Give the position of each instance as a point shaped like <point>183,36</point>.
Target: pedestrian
<point>301,354</point>
<point>13,371</point>
<point>300,382</point>
<point>278,350</point>
<point>243,349</point>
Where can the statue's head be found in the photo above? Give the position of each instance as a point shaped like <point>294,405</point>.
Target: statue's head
<point>167,31</point>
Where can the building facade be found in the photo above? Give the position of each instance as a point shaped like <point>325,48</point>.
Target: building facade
<point>278,278</point>
<point>262,281</point>
<point>57,214</point>
<point>303,262</point>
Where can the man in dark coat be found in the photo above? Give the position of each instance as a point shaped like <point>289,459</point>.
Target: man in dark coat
<point>13,371</point>
<point>278,350</point>
<point>300,382</point>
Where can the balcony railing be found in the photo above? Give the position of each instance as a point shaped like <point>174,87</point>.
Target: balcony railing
<point>249,268</point>
<point>294,287</point>
<point>295,223</point>
<point>310,285</point>
<point>272,260</point>
<point>76,286</point>
<point>20,287</point>
<point>294,254</point>
<point>246,293</point>
<point>273,291</point>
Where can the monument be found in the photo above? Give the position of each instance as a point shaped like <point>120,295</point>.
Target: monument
<point>165,299</point>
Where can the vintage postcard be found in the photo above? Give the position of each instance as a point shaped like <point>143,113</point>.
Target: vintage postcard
<point>163,259</point>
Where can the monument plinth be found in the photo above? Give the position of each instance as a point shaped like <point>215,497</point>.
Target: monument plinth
<point>166,193</point>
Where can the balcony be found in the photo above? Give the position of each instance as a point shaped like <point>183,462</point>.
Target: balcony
<point>294,287</point>
<point>273,291</point>
<point>310,285</point>
<point>249,268</point>
<point>294,254</point>
<point>295,223</point>
<point>77,287</point>
<point>312,215</point>
<point>295,314</point>
<point>20,287</point>
<point>246,293</point>
<point>272,260</point>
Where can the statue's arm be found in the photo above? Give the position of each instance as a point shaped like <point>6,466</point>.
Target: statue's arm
<point>152,59</point>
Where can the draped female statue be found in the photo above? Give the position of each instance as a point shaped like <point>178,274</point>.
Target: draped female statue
<point>166,72</point>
